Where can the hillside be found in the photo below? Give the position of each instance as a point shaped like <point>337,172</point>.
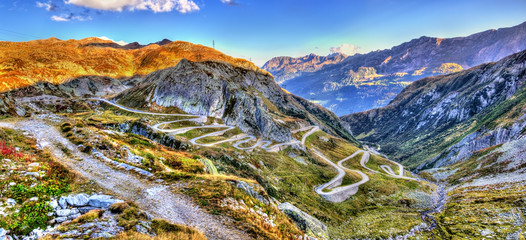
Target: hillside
<point>365,81</point>
<point>56,61</point>
<point>249,100</point>
<point>248,157</point>
<point>441,120</point>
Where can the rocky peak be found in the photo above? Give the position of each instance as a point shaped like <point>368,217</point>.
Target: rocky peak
<point>247,99</point>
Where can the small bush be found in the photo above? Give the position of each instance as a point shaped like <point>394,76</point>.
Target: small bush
<point>119,207</point>
<point>89,216</point>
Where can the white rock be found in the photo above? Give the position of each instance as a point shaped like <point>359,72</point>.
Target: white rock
<point>53,204</point>
<point>77,200</point>
<point>66,212</point>
<point>102,201</point>
<point>11,201</point>
<point>33,199</point>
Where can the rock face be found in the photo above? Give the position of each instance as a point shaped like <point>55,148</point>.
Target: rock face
<point>250,100</point>
<point>285,68</point>
<point>12,102</point>
<point>364,81</point>
<point>446,118</point>
<point>305,222</point>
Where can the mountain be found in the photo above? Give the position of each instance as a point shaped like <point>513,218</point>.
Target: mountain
<point>56,61</point>
<point>133,45</point>
<point>140,139</point>
<point>438,121</point>
<point>285,68</point>
<point>365,81</point>
<point>250,100</point>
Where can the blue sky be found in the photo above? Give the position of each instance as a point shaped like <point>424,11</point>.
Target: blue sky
<point>258,29</point>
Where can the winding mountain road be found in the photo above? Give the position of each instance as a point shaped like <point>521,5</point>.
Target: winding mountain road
<point>331,191</point>
<point>241,138</point>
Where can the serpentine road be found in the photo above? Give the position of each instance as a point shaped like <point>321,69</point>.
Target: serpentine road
<point>331,191</point>
<point>240,138</point>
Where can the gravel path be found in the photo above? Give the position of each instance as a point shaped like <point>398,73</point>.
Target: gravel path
<point>156,198</point>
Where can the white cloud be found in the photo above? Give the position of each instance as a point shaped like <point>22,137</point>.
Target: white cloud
<point>49,6</point>
<point>182,6</point>
<point>69,17</point>
<point>347,49</point>
<point>59,18</point>
<point>122,43</point>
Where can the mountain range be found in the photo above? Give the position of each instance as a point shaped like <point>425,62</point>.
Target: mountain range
<point>364,81</point>
<point>57,61</point>
<point>185,133</point>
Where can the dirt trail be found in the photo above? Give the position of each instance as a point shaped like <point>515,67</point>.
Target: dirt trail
<point>157,198</point>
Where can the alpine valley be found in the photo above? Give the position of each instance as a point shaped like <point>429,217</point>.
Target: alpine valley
<point>175,140</point>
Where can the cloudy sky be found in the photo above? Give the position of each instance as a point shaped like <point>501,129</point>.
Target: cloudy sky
<point>258,29</point>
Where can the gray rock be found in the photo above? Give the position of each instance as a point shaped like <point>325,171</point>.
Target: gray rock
<point>250,191</point>
<point>83,210</point>
<point>102,201</point>
<point>62,202</point>
<point>66,212</point>
<point>61,219</point>
<point>71,217</point>
<point>77,200</point>
<point>304,221</point>
<point>3,232</point>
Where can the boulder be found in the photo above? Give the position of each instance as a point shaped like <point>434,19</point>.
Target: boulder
<point>77,200</point>
<point>66,212</point>
<point>304,221</point>
<point>62,202</point>
<point>102,201</point>
<point>250,191</point>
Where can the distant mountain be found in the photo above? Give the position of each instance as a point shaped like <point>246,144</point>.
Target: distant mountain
<point>365,81</point>
<point>438,121</point>
<point>56,61</point>
<point>133,45</point>
<point>285,68</point>
<point>247,99</point>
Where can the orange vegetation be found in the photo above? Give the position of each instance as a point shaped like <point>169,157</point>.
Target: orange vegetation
<point>56,61</point>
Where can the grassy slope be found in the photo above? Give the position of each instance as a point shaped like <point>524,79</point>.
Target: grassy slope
<point>379,202</point>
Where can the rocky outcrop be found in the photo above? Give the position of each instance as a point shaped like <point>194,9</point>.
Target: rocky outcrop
<point>457,113</point>
<point>250,100</point>
<point>476,141</point>
<point>305,222</point>
<point>344,87</point>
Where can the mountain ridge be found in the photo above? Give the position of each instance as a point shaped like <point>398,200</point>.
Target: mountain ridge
<point>55,61</point>
<point>337,87</point>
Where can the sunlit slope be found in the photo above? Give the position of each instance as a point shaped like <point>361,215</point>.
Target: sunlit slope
<point>53,60</point>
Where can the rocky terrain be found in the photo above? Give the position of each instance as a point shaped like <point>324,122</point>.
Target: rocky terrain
<point>238,187</point>
<point>440,120</point>
<point>465,130</point>
<point>249,100</point>
<point>365,81</point>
